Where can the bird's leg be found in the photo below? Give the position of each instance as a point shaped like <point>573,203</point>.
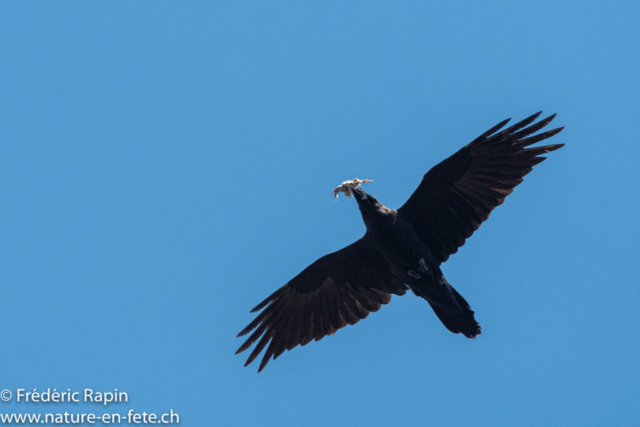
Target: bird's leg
<point>414,274</point>
<point>423,268</point>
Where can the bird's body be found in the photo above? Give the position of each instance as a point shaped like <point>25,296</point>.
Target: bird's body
<point>402,249</point>
<point>411,261</point>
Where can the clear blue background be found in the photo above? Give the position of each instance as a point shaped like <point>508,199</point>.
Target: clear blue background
<point>165,166</point>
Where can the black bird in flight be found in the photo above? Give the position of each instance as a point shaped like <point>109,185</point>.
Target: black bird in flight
<point>402,249</point>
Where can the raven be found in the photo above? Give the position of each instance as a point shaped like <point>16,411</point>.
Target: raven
<point>402,249</point>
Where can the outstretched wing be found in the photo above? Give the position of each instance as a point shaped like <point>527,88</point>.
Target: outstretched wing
<point>457,195</point>
<point>337,290</point>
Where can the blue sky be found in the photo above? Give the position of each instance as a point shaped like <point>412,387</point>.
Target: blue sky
<point>167,165</point>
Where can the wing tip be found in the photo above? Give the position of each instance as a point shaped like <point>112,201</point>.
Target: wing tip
<point>552,132</point>
<point>242,348</point>
<point>267,357</point>
<point>554,147</point>
<point>548,120</point>
<point>260,306</point>
<point>502,124</point>
<point>534,116</point>
<point>268,300</point>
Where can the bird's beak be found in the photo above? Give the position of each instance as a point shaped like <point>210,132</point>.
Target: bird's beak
<point>360,195</point>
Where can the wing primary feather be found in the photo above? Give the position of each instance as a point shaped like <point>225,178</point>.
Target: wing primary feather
<point>520,124</point>
<point>259,319</point>
<point>334,312</point>
<point>283,335</point>
<point>489,181</point>
<point>253,338</point>
<point>536,161</point>
<point>261,344</point>
<point>251,326</point>
<point>268,300</point>
<point>307,329</point>
<point>327,322</point>
<point>280,341</point>
<point>267,324</point>
<point>294,337</point>
<point>537,138</point>
<point>508,142</point>
<point>533,128</point>
<point>318,325</point>
<point>472,209</point>
<point>553,147</point>
<point>490,132</point>
<point>267,355</point>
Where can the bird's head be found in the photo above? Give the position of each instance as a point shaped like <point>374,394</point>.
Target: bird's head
<point>373,213</point>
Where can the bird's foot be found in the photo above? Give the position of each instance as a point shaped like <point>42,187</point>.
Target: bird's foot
<point>414,274</point>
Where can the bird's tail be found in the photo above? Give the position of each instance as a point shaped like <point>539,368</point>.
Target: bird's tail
<point>451,308</point>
